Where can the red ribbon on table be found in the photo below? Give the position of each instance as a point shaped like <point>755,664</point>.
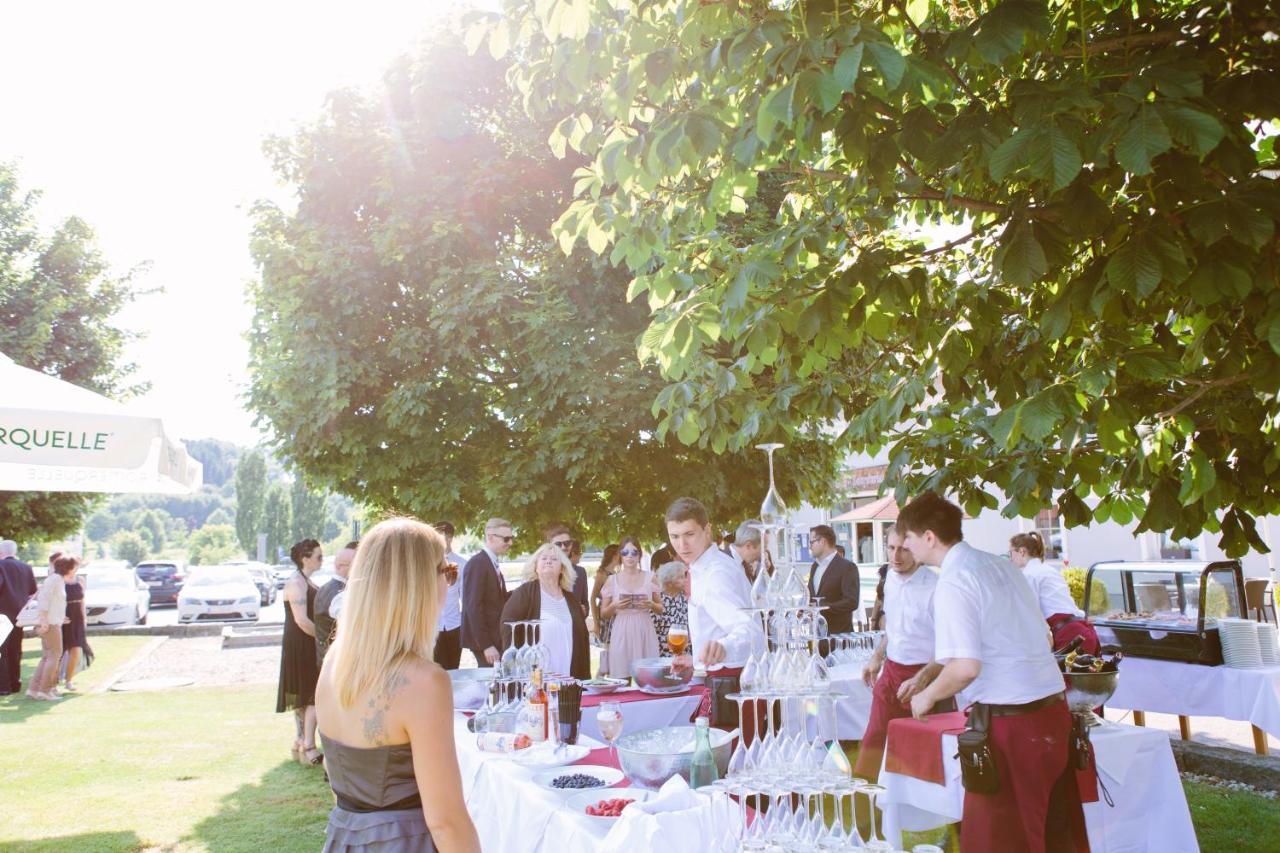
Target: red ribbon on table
<point>591,700</point>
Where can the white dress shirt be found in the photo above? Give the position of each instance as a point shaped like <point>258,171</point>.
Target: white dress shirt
<point>820,569</point>
<point>908,613</point>
<point>451,614</point>
<point>1050,588</point>
<point>557,632</point>
<point>984,610</point>
<point>720,592</point>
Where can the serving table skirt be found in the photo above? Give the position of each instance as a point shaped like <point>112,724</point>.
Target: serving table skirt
<point>1135,764</point>
<point>1192,690</point>
<point>642,711</point>
<point>854,709</point>
<point>513,815</point>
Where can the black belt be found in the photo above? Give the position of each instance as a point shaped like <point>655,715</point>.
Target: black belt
<point>413,801</point>
<point>1025,707</point>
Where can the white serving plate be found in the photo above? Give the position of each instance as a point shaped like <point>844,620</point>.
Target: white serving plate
<point>581,799</point>
<point>609,776</point>
<point>546,755</point>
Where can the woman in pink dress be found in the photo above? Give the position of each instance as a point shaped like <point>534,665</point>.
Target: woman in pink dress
<point>630,597</point>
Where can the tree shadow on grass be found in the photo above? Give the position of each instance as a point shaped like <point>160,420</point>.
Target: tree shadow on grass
<point>17,707</point>
<point>285,810</point>
<point>86,842</point>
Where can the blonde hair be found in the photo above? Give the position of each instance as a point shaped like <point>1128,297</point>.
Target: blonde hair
<point>1031,542</point>
<point>390,608</point>
<point>567,574</point>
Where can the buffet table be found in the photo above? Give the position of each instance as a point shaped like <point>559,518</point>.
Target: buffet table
<point>1135,765</point>
<point>852,711</point>
<point>513,815</point>
<point>1191,690</point>
<point>641,711</point>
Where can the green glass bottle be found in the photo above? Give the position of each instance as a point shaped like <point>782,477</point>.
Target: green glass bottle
<point>702,770</point>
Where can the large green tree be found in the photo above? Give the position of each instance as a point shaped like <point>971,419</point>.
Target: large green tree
<point>308,510</point>
<point>278,521</point>
<point>251,500</point>
<point>59,306</point>
<point>1028,244</point>
<point>421,344</point>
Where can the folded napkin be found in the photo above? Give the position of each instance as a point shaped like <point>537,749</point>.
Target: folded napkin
<point>914,748</point>
<point>686,821</point>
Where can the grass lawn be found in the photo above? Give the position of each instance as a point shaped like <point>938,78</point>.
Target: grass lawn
<point>209,769</point>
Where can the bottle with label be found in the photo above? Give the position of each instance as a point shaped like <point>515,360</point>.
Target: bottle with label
<point>702,769</point>
<point>502,741</point>
<point>534,716</point>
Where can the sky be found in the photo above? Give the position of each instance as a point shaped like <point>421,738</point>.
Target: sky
<point>147,119</point>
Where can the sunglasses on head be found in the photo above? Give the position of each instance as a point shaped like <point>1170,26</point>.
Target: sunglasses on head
<point>630,552</point>
<point>449,572</point>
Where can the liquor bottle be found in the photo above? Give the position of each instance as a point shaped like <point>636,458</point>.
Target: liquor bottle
<point>702,770</point>
<point>534,718</point>
<point>502,741</point>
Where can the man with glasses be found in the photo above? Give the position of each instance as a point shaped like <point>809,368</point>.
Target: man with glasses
<point>484,592</point>
<point>326,615</point>
<point>558,534</point>
<point>448,651</point>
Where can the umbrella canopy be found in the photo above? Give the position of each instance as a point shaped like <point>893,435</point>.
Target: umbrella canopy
<point>884,509</point>
<point>59,437</point>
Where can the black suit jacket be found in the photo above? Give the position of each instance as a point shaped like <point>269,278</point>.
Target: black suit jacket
<point>17,585</point>
<point>840,592</point>
<point>483,596</point>
<point>526,603</point>
<point>580,588</point>
<point>323,621</point>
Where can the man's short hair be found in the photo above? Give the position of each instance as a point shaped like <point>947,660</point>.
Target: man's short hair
<point>8,548</point>
<point>444,528</point>
<point>930,511</point>
<point>748,531</point>
<point>687,509</point>
<point>355,543</point>
<point>496,523</point>
<point>824,531</point>
<point>891,529</point>
<point>556,528</point>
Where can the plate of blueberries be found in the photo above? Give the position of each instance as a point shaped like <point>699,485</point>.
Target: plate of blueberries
<point>579,777</point>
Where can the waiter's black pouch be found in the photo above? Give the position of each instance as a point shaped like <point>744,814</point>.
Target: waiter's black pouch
<point>978,770</point>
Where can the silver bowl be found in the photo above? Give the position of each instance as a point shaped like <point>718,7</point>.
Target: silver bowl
<point>1089,690</point>
<point>656,674</point>
<point>651,757</point>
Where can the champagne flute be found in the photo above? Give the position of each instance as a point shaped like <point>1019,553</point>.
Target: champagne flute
<point>609,720</point>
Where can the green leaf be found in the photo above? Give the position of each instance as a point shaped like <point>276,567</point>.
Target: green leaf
<point>829,91</point>
<point>1040,414</point>
<point>499,40</point>
<point>1009,155</point>
<point>1197,130</point>
<point>1134,268</point>
<point>704,134</point>
<point>848,66</point>
<point>1273,331</point>
<point>1198,478</point>
<point>689,430</point>
<point>1145,138</point>
<point>1001,31</point>
<point>658,67</point>
<point>1007,428</point>
<point>1054,157</point>
<point>1020,258</point>
<point>891,64</point>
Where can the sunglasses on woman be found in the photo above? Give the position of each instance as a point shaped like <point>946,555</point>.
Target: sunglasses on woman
<point>449,572</point>
<point>630,552</point>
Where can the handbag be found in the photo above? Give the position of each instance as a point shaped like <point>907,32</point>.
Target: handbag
<point>29,615</point>
<point>978,772</point>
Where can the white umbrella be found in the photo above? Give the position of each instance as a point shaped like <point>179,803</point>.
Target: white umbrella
<point>59,437</point>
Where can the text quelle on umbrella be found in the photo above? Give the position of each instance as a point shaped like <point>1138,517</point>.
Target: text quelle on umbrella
<point>26,439</point>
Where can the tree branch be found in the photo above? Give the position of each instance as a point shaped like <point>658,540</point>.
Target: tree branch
<point>1205,388</point>
<point>1259,26</point>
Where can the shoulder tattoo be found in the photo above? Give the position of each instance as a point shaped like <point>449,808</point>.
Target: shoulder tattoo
<point>375,720</point>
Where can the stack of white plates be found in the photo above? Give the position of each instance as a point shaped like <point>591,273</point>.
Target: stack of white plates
<point>1240,647</point>
<point>1267,639</point>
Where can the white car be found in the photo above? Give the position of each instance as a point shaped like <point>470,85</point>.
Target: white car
<point>114,596</point>
<point>218,594</point>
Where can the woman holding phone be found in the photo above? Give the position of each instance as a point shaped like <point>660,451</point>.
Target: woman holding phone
<point>630,597</point>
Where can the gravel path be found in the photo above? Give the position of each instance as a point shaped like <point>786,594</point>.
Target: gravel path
<point>205,661</point>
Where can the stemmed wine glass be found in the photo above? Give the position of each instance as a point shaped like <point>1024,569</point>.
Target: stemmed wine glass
<point>609,720</point>
<point>773,512</point>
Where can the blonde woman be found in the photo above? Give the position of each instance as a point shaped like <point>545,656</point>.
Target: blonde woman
<point>547,594</point>
<point>385,708</point>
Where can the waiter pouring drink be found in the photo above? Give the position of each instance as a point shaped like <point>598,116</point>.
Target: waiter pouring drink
<point>992,643</point>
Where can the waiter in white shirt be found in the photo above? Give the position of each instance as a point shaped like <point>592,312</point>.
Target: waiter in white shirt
<point>903,664</point>
<point>1066,621</point>
<point>993,644</point>
<point>722,634</point>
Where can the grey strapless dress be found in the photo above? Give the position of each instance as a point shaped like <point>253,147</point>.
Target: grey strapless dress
<point>378,806</point>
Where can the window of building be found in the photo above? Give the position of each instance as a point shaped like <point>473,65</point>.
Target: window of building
<point>1178,549</point>
<point>1049,526</point>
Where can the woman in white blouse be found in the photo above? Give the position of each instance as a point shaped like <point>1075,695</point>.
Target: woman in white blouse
<point>52,605</point>
<point>546,594</point>
<point>1066,620</point>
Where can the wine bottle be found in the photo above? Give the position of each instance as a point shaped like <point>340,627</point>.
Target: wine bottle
<point>702,769</point>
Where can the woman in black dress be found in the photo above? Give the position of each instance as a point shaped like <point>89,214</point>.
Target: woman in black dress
<point>75,644</point>
<point>298,668</point>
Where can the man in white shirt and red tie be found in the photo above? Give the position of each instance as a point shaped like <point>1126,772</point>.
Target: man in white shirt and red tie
<point>903,664</point>
<point>721,632</point>
<point>994,645</point>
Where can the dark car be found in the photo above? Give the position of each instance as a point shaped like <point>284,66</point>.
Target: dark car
<point>164,577</point>
<point>265,582</point>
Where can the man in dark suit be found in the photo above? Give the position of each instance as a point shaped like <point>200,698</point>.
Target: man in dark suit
<point>17,585</point>
<point>484,592</point>
<point>558,534</point>
<point>324,620</point>
<point>833,579</point>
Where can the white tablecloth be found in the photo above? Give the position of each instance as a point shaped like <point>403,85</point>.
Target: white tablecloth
<point>655,713</point>
<point>1169,687</point>
<point>853,711</point>
<point>1135,764</point>
<point>513,815</point>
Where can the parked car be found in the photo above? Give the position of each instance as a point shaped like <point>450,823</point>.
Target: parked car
<point>114,596</point>
<point>218,594</point>
<point>281,572</point>
<point>164,578</point>
<point>266,583</point>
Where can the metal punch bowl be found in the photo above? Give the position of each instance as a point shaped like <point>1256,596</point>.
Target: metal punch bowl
<point>1089,690</point>
<point>655,673</point>
<point>651,757</point>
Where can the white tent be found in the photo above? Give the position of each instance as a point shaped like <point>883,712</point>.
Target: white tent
<point>59,437</point>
